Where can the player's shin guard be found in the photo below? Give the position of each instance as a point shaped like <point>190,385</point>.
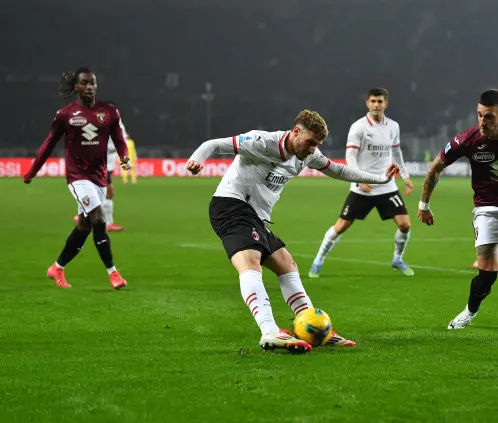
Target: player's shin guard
<point>400,241</point>
<point>329,240</point>
<point>103,244</point>
<point>74,244</point>
<point>108,207</point>
<point>293,292</point>
<point>254,294</point>
<point>480,288</point>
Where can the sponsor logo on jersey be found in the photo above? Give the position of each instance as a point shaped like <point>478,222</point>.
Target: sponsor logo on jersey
<point>78,121</point>
<point>101,117</point>
<point>378,147</point>
<point>276,182</point>
<point>480,147</point>
<point>77,113</point>
<point>483,157</point>
<point>243,138</point>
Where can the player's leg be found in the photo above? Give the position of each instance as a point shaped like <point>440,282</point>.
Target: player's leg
<point>486,234</point>
<point>282,264</point>
<point>95,212</point>
<point>392,206</point>
<point>356,206</point>
<point>243,236</point>
<point>74,244</point>
<point>108,206</point>
<point>133,172</point>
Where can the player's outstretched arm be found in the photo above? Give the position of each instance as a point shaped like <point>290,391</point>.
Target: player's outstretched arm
<point>403,171</point>
<point>431,179</point>
<point>346,173</point>
<point>208,149</point>
<point>46,149</point>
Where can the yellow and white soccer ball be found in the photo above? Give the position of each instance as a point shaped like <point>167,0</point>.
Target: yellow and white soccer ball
<point>313,326</point>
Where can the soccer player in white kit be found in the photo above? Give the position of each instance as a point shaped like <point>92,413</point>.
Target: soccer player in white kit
<point>240,213</point>
<point>373,143</point>
<point>108,205</point>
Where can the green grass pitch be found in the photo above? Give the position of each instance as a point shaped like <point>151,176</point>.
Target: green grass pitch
<point>179,344</point>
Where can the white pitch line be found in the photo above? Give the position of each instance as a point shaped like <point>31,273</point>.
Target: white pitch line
<point>469,239</point>
<point>349,260</point>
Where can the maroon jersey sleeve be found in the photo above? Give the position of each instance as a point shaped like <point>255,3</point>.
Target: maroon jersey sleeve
<point>55,134</point>
<point>456,148</point>
<point>117,134</point>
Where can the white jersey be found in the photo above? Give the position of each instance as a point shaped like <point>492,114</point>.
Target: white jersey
<point>374,142</point>
<point>261,169</point>
<point>112,154</point>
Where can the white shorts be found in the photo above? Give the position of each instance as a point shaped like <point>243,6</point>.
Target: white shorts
<point>88,195</point>
<point>485,225</point>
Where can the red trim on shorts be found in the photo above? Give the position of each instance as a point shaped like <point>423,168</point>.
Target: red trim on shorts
<point>77,198</point>
<point>234,140</point>
<point>282,149</point>
<point>326,166</point>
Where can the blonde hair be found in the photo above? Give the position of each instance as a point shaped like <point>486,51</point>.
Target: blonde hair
<point>313,122</point>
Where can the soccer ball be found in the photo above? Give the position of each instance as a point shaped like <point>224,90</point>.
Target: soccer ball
<point>313,326</point>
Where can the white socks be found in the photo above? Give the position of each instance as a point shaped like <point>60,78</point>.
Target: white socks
<point>108,211</point>
<point>331,238</point>
<point>400,241</point>
<point>293,291</point>
<point>254,294</point>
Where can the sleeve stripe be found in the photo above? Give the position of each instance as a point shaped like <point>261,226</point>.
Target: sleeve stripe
<point>396,145</point>
<point>235,148</point>
<point>326,166</point>
<point>353,146</point>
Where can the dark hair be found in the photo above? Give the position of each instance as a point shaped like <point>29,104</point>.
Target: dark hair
<point>376,92</point>
<point>489,98</point>
<point>69,80</point>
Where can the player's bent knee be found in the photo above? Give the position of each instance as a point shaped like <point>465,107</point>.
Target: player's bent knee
<point>247,260</point>
<point>404,227</point>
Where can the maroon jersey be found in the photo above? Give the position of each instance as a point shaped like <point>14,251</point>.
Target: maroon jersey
<point>483,156</point>
<point>87,133</point>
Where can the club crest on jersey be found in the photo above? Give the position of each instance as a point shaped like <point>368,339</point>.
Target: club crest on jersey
<point>77,121</point>
<point>255,235</point>
<point>101,117</point>
<point>86,200</point>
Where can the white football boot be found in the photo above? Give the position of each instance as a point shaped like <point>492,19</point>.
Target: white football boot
<point>281,340</point>
<point>462,320</point>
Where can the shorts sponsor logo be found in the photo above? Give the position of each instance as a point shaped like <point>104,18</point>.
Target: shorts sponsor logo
<point>78,121</point>
<point>483,157</point>
<point>86,200</point>
<point>255,236</point>
<point>345,211</point>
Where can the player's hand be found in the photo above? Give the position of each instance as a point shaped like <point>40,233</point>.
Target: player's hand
<point>391,171</point>
<point>27,179</point>
<point>409,186</point>
<point>426,216</point>
<point>125,163</point>
<point>365,187</point>
<point>194,167</point>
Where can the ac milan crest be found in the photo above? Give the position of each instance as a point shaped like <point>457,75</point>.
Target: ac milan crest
<point>255,236</point>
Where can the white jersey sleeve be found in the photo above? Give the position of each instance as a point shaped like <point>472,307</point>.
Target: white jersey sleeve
<point>355,136</point>
<point>259,144</point>
<point>398,155</point>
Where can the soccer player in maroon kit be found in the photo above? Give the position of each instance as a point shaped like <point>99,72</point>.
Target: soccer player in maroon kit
<point>480,145</point>
<point>87,124</point>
